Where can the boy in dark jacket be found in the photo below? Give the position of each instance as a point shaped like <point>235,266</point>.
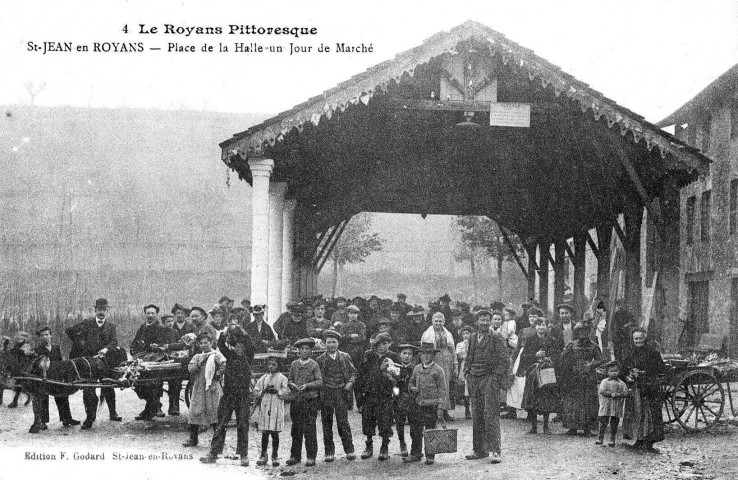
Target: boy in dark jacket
<point>405,399</point>
<point>375,383</point>
<point>238,350</point>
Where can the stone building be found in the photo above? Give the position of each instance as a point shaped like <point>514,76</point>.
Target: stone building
<point>709,212</point>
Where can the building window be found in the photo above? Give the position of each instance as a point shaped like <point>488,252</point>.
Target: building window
<point>705,203</point>
<point>690,219</point>
<point>734,118</point>
<point>733,206</point>
<point>706,127</point>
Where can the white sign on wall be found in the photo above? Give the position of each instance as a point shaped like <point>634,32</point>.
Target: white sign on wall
<point>509,114</point>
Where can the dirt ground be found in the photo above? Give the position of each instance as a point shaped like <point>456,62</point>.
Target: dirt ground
<point>710,455</point>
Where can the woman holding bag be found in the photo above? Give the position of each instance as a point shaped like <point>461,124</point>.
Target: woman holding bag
<point>541,352</point>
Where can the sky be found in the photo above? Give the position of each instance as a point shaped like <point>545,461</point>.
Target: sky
<point>650,56</point>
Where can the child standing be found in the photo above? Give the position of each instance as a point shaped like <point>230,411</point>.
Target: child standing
<point>306,381</point>
<point>404,401</point>
<point>612,393</point>
<point>429,383</point>
<point>462,348</point>
<point>269,392</point>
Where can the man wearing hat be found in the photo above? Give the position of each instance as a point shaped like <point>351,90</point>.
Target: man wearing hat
<point>260,332</point>
<point>306,381</point>
<point>339,317</point>
<point>294,327</point>
<point>444,305</point>
<point>238,350</point>
<point>339,376</point>
<point>53,353</point>
<point>384,325</point>
<point>374,386</point>
<point>415,326</point>
<point>182,327</point>
<point>144,343</point>
<point>486,368</point>
<point>353,335</point>
<point>402,304</point>
<point>318,323</point>
<point>96,336</point>
<point>199,317</point>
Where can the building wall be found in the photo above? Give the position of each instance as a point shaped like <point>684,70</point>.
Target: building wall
<point>712,260</point>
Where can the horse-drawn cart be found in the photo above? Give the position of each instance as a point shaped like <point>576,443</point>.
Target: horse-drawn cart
<point>694,391</point>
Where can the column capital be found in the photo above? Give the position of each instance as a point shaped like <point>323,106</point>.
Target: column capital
<point>261,167</point>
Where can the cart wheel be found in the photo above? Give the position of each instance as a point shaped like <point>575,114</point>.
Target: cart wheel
<point>698,400</point>
<point>188,394</point>
<point>667,392</point>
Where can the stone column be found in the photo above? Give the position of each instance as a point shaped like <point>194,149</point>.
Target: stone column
<point>276,205</point>
<point>288,245</point>
<point>261,170</point>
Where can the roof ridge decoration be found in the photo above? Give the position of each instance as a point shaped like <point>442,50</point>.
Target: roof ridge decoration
<point>362,87</point>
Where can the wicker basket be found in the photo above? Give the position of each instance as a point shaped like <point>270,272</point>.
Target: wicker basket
<point>439,440</point>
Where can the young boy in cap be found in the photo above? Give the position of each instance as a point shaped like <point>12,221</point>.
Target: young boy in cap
<point>428,382</point>
<point>404,400</point>
<point>53,352</point>
<point>238,351</point>
<point>374,385</point>
<point>306,381</point>
<point>339,376</point>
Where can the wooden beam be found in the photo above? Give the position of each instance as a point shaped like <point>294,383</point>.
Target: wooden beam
<point>340,228</point>
<point>514,252</point>
<point>572,256</point>
<point>593,246</point>
<point>461,105</point>
<point>320,242</point>
<point>653,212</point>
<point>322,247</point>
<point>619,231</point>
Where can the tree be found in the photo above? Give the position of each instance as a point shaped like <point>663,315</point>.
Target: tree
<point>355,244</point>
<point>481,234</point>
<point>34,89</point>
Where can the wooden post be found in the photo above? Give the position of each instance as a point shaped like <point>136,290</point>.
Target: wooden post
<point>633,214</point>
<point>604,237</point>
<point>530,250</point>
<point>559,272</point>
<point>580,256</point>
<point>543,250</point>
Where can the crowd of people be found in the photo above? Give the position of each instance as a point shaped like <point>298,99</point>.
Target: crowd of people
<point>399,365</point>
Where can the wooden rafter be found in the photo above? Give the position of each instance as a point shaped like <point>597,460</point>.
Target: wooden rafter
<point>339,228</point>
<point>619,231</point>
<point>653,210</point>
<point>569,251</point>
<point>514,252</point>
<point>593,246</point>
<point>323,247</point>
